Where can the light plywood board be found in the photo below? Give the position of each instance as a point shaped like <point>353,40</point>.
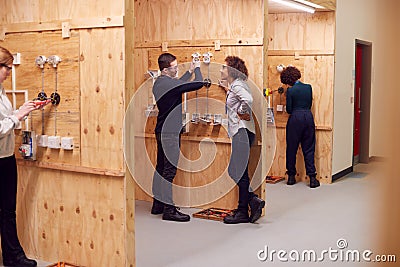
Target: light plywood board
<point>64,119</point>
<point>301,31</point>
<point>102,97</point>
<point>18,11</point>
<point>60,216</point>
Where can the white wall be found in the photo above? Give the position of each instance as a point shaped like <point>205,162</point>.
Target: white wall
<point>365,20</point>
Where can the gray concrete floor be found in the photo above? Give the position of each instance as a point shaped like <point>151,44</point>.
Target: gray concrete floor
<point>297,219</point>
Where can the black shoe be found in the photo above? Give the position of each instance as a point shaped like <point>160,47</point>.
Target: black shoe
<point>21,261</point>
<point>172,213</point>
<point>291,180</point>
<point>157,208</point>
<point>238,216</point>
<point>256,205</point>
<point>314,183</point>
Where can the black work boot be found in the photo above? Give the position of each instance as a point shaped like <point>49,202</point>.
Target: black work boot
<point>291,180</point>
<point>157,208</point>
<point>20,261</point>
<point>256,205</point>
<point>238,216</point>
<point>172,213</point>
<point>314,183</point>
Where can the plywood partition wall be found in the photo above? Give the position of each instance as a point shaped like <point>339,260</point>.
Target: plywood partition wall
<point>75,206</point>
<point>307,42</point>
<point>182,28</point>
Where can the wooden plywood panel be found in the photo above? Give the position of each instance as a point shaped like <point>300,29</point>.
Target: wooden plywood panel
<point>317,71</point>
<point>66,216</point>
<point>102,97</point>
<point>301,31</point>
<point>18,11</point>
<point>204,19</point>
<point>48,10</point>
<point>64,119</point>
<point>320,31</point>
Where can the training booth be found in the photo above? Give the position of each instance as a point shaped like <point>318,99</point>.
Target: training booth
<point>76,198</point>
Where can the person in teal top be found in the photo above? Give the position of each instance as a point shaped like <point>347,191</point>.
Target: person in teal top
<point>300,127</point>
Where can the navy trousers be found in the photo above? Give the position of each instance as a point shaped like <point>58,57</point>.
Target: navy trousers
<point>300,129</point>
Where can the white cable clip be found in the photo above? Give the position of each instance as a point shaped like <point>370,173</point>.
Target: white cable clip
<point>40,61</point>
<point>207,57</point>
<point>196,57</point>
<point>54,60</point>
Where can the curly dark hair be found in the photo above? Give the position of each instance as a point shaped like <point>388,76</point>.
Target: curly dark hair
<point>237,68</point>
<point>290,75</point>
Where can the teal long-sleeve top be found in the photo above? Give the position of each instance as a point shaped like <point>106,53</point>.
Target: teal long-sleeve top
<point>298,97</point>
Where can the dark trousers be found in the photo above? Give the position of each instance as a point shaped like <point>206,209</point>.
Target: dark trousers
<point>168,150</point>
<point>300,129</point>
<point>10,246</point>
<point>239,165</point>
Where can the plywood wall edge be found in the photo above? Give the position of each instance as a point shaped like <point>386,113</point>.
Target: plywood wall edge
<point>84,23</point>
<point>201,43</point>
<point>301,52</point>
<point>71,168</point>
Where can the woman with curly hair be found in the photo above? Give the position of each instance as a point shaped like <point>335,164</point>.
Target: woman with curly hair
<point>300,127</point>
<point>241,129</point>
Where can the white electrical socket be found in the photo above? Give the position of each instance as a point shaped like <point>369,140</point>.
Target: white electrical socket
<point>279,108</point>
<point>67,143</point>
<point>54,142</point>
<point>42,140</point>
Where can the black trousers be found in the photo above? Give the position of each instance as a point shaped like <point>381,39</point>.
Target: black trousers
<point>10,246</point>
<point>300,129</point>
<point>168,150</point>
<point>238,168</point>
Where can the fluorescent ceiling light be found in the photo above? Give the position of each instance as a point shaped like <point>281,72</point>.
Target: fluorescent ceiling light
<point>308,3</point>
<point>290,3</point>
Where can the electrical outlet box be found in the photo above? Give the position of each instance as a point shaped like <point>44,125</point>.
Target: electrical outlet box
<point>67,143</point>
<point>17,59</point>
<point>28,146</point>
<point>54,142</point>
<point>42,140</point>
<point>217,119</point>
<point>185,122</point>
<point>279,108</point>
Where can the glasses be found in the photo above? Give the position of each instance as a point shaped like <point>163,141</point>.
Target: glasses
<point>173,67</point>
<point>7,67</point>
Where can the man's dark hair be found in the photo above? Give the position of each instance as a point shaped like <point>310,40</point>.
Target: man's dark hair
<point>290,75</point>
<point>237,68</point>
<point>165,59</point>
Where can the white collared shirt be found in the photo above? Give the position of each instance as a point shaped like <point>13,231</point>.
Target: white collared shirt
<point>8,122</point>
<point>239,100</point>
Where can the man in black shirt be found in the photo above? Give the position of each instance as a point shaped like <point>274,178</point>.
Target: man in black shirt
<point>168,90</point>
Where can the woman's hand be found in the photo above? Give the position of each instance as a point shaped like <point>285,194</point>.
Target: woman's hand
<point>25,109</point>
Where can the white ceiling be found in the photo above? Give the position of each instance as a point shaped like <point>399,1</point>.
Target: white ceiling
<point>279,8</point>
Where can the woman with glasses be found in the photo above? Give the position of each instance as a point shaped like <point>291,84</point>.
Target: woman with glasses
<point>13,253</point>
<point>241,129</point>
